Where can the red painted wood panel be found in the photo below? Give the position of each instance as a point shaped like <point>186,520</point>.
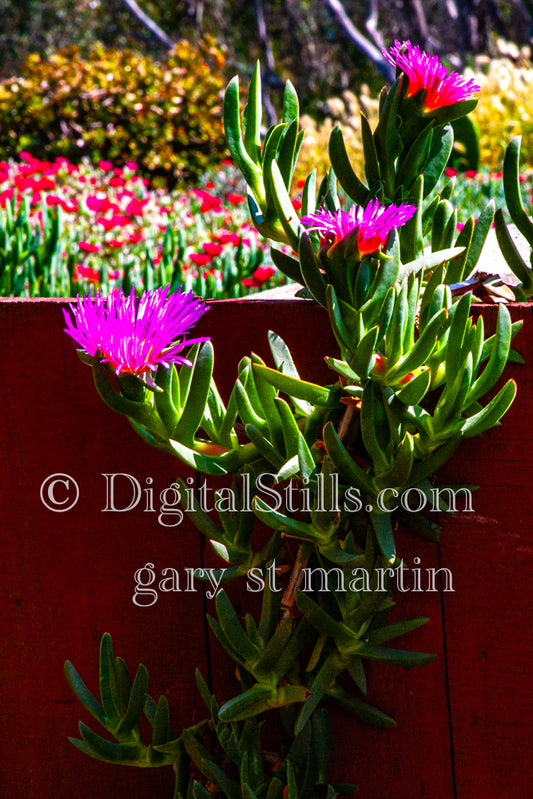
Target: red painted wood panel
<point>488,618</point>
<point>380,761</point>
<point>69,576</point>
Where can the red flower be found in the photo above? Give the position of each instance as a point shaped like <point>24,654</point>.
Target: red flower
<point>99,204</point>
<point>86,273</point>
<point>373,224</point>
<point>260,276</point>
<point>209,201</point>
<point>225,237</point>
<point>4,171</point>
<point>6,196</point>
<point>425,72</point>
<point>71,208</point>
<point>115,243</point>
<point>105,166</point>
<point>212,249</point>
<point>117,220</point>
<point>135,207</point>
<point>235,199</point>
<point>200,259</point>
<point>86,246</point>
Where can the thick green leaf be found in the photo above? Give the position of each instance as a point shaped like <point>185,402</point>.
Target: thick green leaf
<point>130,720</point>
<point>510,252</point>
<point>415,389</point>
<point>511,187</point>
<point>232,125</point>
<point>430,260</point>
<point>372,166</point>
<point>312,276</point>
<point>200,757</point>
<point>360,709</point>
<point>204,463</point>
<point>422,348</point>
<point>394,630</point>
<point>229,621</point>
<point>329,671</point>
<point>84,695</point>
<point>396,657</point>
<point>193,412</point>
<point>284,207</point>
<point>108,686</point>
<point>287,265</point>
<point>439,155</point>
<point>490,416</point>
<point>382,526</point>
<point>286,524</point>
<point>265,447</point>
<point>252,117</point>
<point>349,470</point>
<point>326,397</point>
<point>498,356</point>
<point>352,185</point>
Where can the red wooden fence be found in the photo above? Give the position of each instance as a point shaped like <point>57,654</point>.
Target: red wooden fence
<point>463,721</point>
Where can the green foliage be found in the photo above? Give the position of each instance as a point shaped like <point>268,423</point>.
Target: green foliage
<point>519,216</point>
<point>123,702</point>
<point>31,257</point>
<point>413,376</point>
<point>504,110</point>
<point>119,106</point>
<point>66,229</point>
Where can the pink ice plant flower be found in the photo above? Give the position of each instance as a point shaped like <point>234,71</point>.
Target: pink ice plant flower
<point>133,335</point>
<point>443,87</point>
<point>374,223</point>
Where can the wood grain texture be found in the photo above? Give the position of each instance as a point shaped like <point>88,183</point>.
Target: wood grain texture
<point>463,721</point>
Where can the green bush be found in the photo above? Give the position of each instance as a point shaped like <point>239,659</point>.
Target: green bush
<point>119,106</point>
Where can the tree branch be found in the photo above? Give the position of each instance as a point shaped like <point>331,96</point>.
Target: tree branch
<point>362,44</point>
<point>152,26</point>
<point>270,62</point>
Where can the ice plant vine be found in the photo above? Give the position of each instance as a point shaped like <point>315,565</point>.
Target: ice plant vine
<point>372,224</point>
<point>409,383</point>
<point>441,86</point>
<point>67,229</point>
<point>136,336</point>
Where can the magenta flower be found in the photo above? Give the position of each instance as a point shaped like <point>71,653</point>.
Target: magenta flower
<point>136,335</point>
<point>374,224</point>
<point>442,86</point>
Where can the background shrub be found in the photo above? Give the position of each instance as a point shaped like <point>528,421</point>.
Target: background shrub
<point>119,106</point>
<point>346,111</point>
<point>505,106</point>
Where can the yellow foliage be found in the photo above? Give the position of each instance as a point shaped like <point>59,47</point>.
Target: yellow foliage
<point>121,106</point>
<point>347,112</point>
<point>505,107</point>
<point>504,110</point>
